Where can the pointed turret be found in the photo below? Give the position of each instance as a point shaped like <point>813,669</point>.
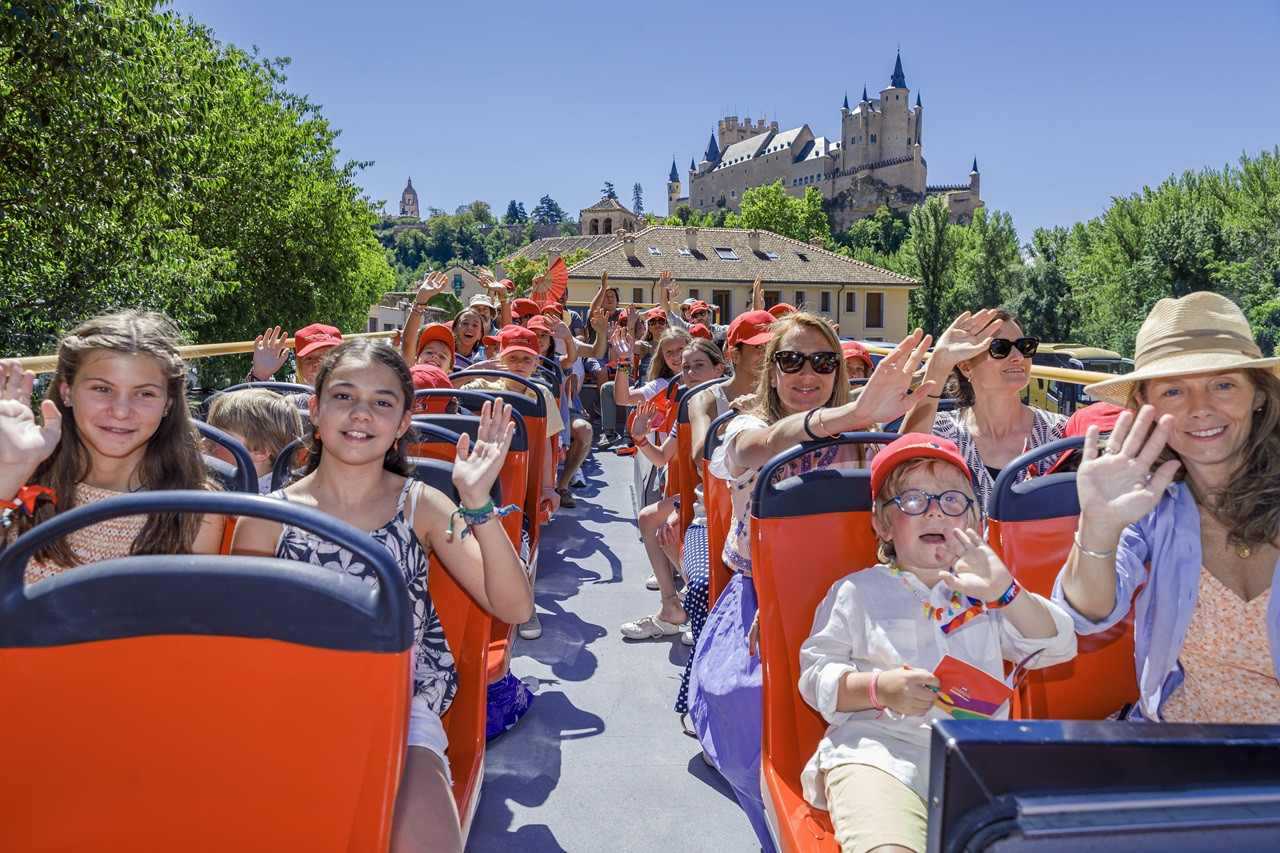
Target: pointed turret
<point>917,100</point>
<point>974,170</point>
<point>864,93</point>
<point>713,149</point>
<point>693,167</point>
<point>899,80</point>
<point>846,100</point>
<point>675,176</point>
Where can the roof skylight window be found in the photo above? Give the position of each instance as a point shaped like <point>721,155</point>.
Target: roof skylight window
<point>726,253</point>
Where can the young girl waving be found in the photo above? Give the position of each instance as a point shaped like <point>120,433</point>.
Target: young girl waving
<point>357,471</point>
<point>115,422</point>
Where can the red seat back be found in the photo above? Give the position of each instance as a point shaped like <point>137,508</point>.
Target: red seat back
<point>807,532</point>
<point>154,698</point>
<point>719,506</point>
<point>1031,528</point>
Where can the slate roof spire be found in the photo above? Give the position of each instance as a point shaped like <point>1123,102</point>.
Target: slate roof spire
<point>864,92</point>
<point>713,148</point>
<point>846,100</point>
<point>975,164</point>
<point>917,99</point>
<point>675,176</point>
<point>899,80</point>
<point>693,167</point>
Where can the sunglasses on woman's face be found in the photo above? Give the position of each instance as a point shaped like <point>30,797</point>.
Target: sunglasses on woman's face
<point>657,322</point>
<point>1001,347</point>
<point>791,361</point>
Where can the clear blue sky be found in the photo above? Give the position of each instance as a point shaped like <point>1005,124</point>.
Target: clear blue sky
<point>1065,104</point>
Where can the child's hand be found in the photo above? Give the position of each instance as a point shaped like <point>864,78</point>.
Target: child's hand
<point>906,690</point>
<point>646,414</point>
<point>975,569</point>
<point>24,444</point>
<point>269,353</point>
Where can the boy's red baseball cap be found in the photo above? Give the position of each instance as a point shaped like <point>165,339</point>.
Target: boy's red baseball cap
<point>751,328</point>
<point>315,337</point>
<point>525,308</point>
<point>517,339</point>
<point>782,308</point>
<point>437,332</point>
<point>426,376</point>
<point>853,349</point>
<point>914,445</point>
<point>554,308</point>
<point>539,323</point>
<point>699,330</point>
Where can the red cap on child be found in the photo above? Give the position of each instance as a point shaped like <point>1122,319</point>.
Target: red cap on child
<point>428,376</point>
<point>751,328</point>
<point>517,339</point>
<point>315,337</point>
<point>525,308</point>
<point>698,330</point>
<point>914,445</point>
<point>853,349</point>
<point>782,308</point>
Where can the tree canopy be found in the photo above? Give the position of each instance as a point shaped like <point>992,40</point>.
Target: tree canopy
<point>142,163</point>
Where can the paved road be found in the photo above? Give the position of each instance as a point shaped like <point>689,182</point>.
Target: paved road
<point>600,763</point>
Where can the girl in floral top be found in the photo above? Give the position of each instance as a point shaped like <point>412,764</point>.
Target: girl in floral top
<point>115,421</point>
<point>803,395</point>
<point>357,471</point>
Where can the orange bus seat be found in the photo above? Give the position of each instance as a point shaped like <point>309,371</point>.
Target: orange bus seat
<point>466,628</point>
<point>202,702</point>
<point>715,497</point>
<point>688,469</point>
<point>807,532</point>
<point>1031,527</point>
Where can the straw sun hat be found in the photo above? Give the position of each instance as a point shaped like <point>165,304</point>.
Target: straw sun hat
<point>1200,333</point>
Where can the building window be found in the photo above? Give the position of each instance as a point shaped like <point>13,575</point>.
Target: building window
<point>908,140</point>
<point>726,253</point>
<point>653,250</point>
<point>826,302</point>
<point>801,299</point>
<point>875,311</point>
<point>851,302</point>
<point>695,293</point>
<point>873,137</point>
<point>773,256</point>
<point>637,294</point>
<point>801,256</point>
<point>457,281</point>
<point>772,298</point>
<point>723,300</point>
<point>733,193</point>
<point>684,252</point>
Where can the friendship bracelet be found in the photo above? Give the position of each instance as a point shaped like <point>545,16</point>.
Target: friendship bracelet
<point>26,499</point>
<point>1095,554</point>
<point>475,517</point>
<point>871,693</point>
<point>640,442</point>
<point>1009,595</point>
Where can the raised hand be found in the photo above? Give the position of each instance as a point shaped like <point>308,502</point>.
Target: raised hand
<point>666,282</point>
<point>745,403</point>
<point>976,570</point>
<point>24,444</point>
<point>1116,487</point>
<point>600,321</point>
<point>537,280</point>
<point>888,393</point>
<point>269,353</point>
<point>623,344</point>
<point>968,335</point>
<point>757,295</point>
<point>431,285</point>
<point>484,275</point>
<point>646,414</point>
<point>476,467</point>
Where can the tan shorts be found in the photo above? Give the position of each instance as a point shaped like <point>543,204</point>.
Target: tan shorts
<point>870,807</point>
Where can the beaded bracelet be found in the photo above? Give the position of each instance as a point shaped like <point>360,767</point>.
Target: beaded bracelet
<point>475,517</point>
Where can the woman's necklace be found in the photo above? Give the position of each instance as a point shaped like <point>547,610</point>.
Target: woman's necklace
<point>930,610</point>
<point>1243,550</point>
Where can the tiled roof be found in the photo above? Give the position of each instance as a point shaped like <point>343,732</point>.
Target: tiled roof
<point>795,262</point>
<point>743,150</point>
<point>606,204</point>
<point>564,245</point>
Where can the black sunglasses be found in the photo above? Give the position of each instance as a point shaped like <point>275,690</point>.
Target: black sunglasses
<point>790,361</point>
<point>658,321</point>
<point>1001,347</point>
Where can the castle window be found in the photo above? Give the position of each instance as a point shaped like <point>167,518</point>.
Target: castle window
<point>726,253</point>
<point>733,193</point>
<point>908,140</point>
<point>653,250</point>
<point>873,137</point>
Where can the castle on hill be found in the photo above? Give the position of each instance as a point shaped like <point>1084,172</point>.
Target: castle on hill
<point>878,160</point>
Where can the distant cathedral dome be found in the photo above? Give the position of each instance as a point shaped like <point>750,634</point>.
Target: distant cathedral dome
<point>409,201</point>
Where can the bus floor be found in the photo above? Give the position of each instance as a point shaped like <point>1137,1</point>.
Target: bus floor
<point>599,762</point>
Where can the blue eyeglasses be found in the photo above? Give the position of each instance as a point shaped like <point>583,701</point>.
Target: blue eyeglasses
<point>916,502</point>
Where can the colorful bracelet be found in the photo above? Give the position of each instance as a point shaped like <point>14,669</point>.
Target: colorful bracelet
<point>475,517</point>
<point>641,441</point>
<point>1009,595</point>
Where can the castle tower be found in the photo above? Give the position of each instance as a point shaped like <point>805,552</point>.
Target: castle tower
<point>895,123</point>
<point>974,179</point>
<point>409,200</point>
<point>673,186</point>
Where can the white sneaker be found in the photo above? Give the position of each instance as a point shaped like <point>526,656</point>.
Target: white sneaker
<point>532,629</point>
<point>686,634</point>
<point>577,481</point>
<point>652,582</point>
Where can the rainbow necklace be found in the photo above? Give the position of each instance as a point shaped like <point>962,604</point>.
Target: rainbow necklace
<point>931,611</point>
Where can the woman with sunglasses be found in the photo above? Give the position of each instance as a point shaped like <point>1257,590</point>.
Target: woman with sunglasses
<point>985,361</point>
<point>803,395</point>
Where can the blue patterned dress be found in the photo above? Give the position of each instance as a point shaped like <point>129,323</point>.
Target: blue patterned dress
<point>434,678</point>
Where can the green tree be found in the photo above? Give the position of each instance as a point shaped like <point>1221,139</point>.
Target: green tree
<point>989,262</point>
<point>930,255</point>
<point>547,212</point>
<point>515,213</point>
<point>637,199</point>
<point>1044,302</point>
<point>608,191</point>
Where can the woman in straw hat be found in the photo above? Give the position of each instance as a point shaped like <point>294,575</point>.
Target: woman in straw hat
<point>984,359</point>
<point>1186,500</point>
